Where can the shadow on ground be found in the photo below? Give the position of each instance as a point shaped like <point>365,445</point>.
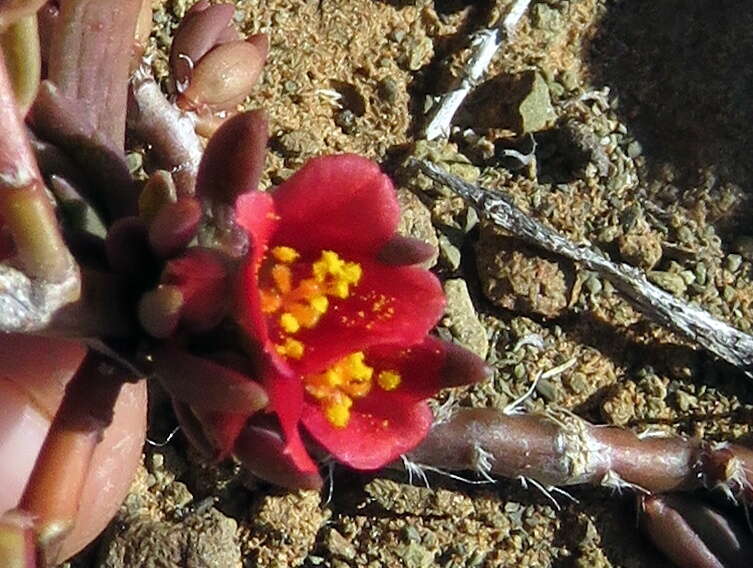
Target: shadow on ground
<point>684,80</point>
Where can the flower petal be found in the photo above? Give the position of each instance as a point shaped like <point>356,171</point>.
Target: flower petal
<point>386,424</point>
<point>389,305</point>
<point>380,430</point>
<point>342,203</point>
<point>261,448</point>
<point>255,213</point>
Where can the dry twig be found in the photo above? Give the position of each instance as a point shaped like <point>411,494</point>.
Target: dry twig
<point>484,45</point>
<point>721,339</point>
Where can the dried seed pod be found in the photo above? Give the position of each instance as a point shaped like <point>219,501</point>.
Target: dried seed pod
<point>224,76</point>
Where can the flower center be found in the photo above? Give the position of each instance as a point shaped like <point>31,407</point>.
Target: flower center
<point>348,379</point>
<point>297,294</point>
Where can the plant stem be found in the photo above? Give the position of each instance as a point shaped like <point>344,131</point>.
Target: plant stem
<point>562,449</point>
<point>52,495</point>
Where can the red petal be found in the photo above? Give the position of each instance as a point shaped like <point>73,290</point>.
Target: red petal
<point>412,302</point>
<point>341,203</point>
<point>285,391</point>
<point>255,213</point>
<point>380,430</point>
<point>385,424</point>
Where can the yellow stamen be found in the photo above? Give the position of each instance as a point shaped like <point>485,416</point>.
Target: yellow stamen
<point>389,380</point>
<point>319,304</point>
<point>270,301</point>
<point>289,323</point>
<point>283,278</point>
<point>337,414</point>
<point>306,316</point>
<point>285,254</point>
<point>357,368</point>
<point>291,348</point>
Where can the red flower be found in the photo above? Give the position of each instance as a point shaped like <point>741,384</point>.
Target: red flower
<point>344,335</point>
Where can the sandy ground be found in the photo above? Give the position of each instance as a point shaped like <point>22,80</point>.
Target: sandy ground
<point>641,112</point>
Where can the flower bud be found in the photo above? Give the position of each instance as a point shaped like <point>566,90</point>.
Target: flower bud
<point>225,76</point>
<point>201,29</point>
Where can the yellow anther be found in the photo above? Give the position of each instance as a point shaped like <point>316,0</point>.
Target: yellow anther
<point>282,277</point>
<point>333,377</point>
<point>352,272</point>
<point>291,348</point>
<point>285,254</point>
<point>340,289</point>
<point>337,414</point>
<point>270,301</point>
<point>306,316</point>
<point>358,370</point>
<point>319,304</point>
<point>357,389</point>
<point>289,323</point>
<point>389,380</point>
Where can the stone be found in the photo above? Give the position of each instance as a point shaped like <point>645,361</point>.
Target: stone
<point>519,102</point>
<point>199,541</point>
<point>672,283</point>
<point>515,277</point>
<point>643,249</point>
<point>415,222</point>
<point>462,320</point>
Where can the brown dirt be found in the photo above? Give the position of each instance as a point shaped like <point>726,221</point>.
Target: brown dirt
<point>646,157</point>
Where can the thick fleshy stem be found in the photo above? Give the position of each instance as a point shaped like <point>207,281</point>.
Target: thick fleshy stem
<point>563,449</point>
<point>17,541</point>
<point>48,278</point>
<point>20,45</point>
<point>53,493</point>
<point>169,131</point>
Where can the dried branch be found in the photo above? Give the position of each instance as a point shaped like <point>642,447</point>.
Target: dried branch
<point>562,449</point>
<point>721,339</point>
<point>484,46</point>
